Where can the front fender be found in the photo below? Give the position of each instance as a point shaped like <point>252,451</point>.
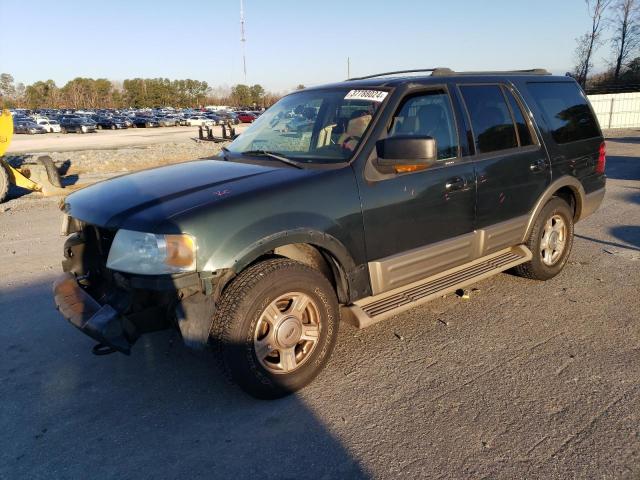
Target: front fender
<point>242,248</point>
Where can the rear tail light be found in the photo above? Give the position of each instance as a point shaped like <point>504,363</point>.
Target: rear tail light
<point>602,158</point>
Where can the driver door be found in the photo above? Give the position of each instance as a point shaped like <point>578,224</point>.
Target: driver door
<point>420,223</point>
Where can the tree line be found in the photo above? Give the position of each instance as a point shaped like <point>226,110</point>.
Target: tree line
<point>614,24</point>
<point>91,93</point>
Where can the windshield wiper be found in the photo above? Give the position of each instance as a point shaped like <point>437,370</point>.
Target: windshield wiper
<point>225,150</point>
<point>273,155</point>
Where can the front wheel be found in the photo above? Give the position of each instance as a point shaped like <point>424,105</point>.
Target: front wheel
<point>550,241</point>
<point>276,327</point>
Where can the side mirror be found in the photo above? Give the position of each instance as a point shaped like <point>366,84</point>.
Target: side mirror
<point>407,153</point>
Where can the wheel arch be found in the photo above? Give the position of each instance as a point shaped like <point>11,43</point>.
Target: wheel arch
<point>569,189</point>
<point>318,250</point>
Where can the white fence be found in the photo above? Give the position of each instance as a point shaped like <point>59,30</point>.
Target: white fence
<point>617,110</point>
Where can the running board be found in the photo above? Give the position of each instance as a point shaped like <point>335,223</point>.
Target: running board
<point>370,310</point>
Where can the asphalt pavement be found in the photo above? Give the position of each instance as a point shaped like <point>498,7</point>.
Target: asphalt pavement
<point>524,379</point>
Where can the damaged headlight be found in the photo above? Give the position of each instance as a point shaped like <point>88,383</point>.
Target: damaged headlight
<point>151,254</point>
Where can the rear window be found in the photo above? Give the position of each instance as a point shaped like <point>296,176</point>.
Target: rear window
<point>565,110</point>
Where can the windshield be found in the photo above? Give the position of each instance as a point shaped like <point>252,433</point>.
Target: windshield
<point>313,126</point>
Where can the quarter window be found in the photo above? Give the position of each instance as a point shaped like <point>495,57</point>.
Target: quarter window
<point>565,110</point>
<point>493,128</point>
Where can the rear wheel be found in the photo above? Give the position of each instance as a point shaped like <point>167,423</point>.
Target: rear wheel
<point>113,127</point>
<point>99,127</point>
<point>276,327</point>
<point>4,182</point>
<point>550,241</point>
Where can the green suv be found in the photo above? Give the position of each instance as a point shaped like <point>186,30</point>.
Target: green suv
<point>352,201</point>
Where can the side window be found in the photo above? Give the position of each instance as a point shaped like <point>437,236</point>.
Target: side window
<point>493,128</point>
<point>524,134</point>
<point>429,115</point>
<point>565,110</point>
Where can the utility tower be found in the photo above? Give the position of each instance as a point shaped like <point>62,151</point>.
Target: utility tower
<point>243,40</point>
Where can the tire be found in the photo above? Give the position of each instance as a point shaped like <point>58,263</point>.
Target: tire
<point>82,130</point>
<point>63,130</point>
<point>113,127</point>
<point>52,172</point>
<point>549,262</point>
<point>99,127</point>
<point>240,327</point>
<point>4,183</point>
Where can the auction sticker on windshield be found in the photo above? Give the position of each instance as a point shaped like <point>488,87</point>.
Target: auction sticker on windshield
<point>372,95</point>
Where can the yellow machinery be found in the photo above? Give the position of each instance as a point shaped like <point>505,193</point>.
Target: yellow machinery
<point>39,177</point>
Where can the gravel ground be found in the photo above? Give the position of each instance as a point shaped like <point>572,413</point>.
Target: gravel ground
<point>523,380</point>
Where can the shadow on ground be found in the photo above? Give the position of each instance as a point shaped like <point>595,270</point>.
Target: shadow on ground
<point>623,168</point>
<point>161,413</point>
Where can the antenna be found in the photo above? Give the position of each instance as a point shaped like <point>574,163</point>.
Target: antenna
<point>243,41</point>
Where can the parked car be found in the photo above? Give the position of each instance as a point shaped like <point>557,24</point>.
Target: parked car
<point>167,121</point>
<point>246,117</point>
<point>228,117</point>
<point>112,123</point>
<point>51,126</point>
<point>147,122</point>
<point>404,190</point>
<point>28,127</point>
<point>199,120</point>
<point>77,125</point>
<point>124,120</point>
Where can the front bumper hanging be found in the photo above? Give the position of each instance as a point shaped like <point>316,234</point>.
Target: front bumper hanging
<point>101,322</point>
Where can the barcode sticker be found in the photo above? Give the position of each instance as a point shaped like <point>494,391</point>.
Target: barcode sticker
<point>372,95</point>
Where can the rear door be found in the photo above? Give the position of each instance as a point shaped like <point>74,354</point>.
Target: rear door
<point>512,168</point>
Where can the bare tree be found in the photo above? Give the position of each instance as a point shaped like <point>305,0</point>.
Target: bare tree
<point>626,36</point>
<point>588,42</point>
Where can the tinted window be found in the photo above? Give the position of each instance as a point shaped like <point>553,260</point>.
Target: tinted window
<point>491,121</point>
<point>429,115</point>
<point>524,134</point>
<point>566,111</point>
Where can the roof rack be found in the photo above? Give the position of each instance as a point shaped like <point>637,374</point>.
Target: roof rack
<point>396,72</point>
<point>445,72</point>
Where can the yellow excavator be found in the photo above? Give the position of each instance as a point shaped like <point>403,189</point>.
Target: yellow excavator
<point>41,176</point>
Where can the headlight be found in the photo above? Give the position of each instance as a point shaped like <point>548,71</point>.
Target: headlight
<point>150,254</point>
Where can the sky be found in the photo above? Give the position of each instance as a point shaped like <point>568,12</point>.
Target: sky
<point>288,42</point>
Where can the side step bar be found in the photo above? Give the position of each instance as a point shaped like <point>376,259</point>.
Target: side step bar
<point>370,310</point>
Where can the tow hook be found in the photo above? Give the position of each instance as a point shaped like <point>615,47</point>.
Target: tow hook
<point>101,349</point>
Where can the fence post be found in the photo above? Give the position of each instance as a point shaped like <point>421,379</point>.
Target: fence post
<point>611,111</point>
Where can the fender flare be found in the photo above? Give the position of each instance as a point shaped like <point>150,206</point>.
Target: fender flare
<point>300,235</point>
<point>565,181</point>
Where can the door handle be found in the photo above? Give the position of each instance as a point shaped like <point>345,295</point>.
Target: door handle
<point>455,183</point>
<point>538,166</point>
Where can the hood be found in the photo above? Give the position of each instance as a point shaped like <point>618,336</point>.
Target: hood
<point>149,199</point>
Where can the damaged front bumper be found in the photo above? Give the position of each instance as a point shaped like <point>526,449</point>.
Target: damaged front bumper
<point>101,322</point>
<point>116,308</point>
